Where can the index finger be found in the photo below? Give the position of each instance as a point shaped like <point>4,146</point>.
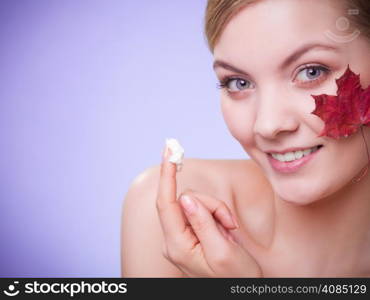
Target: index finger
<point>170,213</point>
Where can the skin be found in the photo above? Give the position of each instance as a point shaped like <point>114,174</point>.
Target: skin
<point>314,222</point>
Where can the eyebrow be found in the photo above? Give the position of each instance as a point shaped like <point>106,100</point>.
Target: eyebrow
<point>288,61</point>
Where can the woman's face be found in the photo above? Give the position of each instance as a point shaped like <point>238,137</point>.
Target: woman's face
<point>267,102</point>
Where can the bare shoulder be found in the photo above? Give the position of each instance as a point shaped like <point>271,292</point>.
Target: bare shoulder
<point>141,236</point>
<point>140,226</point>
<point>205,175</point>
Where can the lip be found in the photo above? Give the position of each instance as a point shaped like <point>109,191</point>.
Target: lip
<point>291,166</point>
<point>290,150</point>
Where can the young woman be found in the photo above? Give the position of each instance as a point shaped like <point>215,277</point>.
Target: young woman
<point>302,213</point>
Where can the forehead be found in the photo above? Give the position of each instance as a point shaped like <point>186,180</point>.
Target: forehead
<point>275,26</point>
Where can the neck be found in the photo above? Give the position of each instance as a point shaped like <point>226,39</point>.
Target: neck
<point>333,231</point>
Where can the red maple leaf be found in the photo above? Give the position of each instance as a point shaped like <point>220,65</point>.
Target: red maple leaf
<point>346,112</point>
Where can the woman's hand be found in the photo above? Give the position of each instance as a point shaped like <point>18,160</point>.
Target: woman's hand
<point>194,241</point>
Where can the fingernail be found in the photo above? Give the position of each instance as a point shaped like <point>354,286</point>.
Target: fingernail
<point>188,204</point>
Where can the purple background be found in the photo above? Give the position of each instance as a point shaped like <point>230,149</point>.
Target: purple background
<point>89,92</point>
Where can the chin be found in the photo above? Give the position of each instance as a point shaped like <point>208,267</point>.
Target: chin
<point>300,196</point>
<point>299,201</point>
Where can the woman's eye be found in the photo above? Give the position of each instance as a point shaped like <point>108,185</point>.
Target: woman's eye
<point>235,84</point>
<point>312,73</point>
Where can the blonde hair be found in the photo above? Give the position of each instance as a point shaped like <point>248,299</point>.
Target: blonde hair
<point>219,13</point>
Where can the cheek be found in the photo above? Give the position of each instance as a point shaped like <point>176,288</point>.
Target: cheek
<point>359,60</point>
<point>355,148</point>
<point>365,76</point>
<point>239,119</point>
<point>347,157</point>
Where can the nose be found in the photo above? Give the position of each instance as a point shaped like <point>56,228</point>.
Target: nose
<point>275,114</point>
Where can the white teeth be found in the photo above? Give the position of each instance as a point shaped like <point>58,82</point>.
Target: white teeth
<point>298,154</point>
<point>289,156</point>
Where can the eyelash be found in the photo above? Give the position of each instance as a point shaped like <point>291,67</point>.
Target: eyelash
<point>224,82</point>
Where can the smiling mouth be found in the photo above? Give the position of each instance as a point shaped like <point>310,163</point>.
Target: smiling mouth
<point>294,155</point>
<point>287,163</point>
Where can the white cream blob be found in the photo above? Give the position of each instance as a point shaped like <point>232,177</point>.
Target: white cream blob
<point>177,153</point>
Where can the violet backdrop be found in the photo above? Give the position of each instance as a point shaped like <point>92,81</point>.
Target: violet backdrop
<point>89,92</point>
